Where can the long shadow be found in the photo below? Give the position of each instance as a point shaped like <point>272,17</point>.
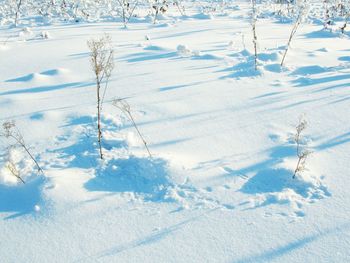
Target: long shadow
<point>183,33</point>
<point>276,155</point>
<point>274,180</point>
<point>145,56</point>
<point>179,86</point>
<point>275,253</point>
<point>48,88</point>
<point>302,82</point>
<point>147,240</point>
<point>173,87</point>
<point>140,175</point>
<point>270,94</point>
<point>320,34</point>
<point>268,179</point>
<point>345,85</point>
<point>310,70</point>
<point>21,199</point>
<point>344,58</point>
<point>50,72</point>
<point>82,152</point>
<point>336,141</point>
<point>21,79</point>
<point>340,100</point>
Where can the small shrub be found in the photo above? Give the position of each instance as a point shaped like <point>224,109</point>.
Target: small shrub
<point>301,151</point>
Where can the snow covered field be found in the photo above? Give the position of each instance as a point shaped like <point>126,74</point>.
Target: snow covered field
<point>219,187</point>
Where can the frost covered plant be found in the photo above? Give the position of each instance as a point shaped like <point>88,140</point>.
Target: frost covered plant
<point>101,59</point>
<point>296,25</point>
<point>11,166</point>
<point>125,108</point>
<point>343,27</point>
<point>11,132</point>
<point>301,152</point>
<point>127,10</point>
<point>158,6</point>
<point>334,9</point>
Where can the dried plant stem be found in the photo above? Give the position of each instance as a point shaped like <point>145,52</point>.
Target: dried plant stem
<point>102,65</point>
<point>127,12</point>
<point>255,38</point>
<point>292,33</point>
<point>124,106</point>
<point>18,4</point>
<point>139,133</point>
<point>12,168</point>
<point>99,129</point>
<point>23,145</point>
<point>10,131</point>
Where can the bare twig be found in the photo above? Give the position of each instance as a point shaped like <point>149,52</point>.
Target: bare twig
<point>180,7</point>
<point>124,106</point>
<point>10,131</point>
<point>127,10</point>
<point>18,6</point>
<point>14,171</point>
<point>292,33</point>
<point>255,38</point>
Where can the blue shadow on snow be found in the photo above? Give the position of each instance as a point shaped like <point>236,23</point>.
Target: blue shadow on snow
<point>21,199</point>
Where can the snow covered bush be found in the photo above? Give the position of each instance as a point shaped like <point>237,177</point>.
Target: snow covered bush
<point>158,7</point>
<point>334,9</point>
<point>184,51</point>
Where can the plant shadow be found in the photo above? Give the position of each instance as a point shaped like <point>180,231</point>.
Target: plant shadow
<point>119,171</point>
<point>21,199</point>
<point>271,183</point>
<point>146,176</point>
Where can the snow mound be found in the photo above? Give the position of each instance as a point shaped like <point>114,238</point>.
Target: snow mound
<point>272,182</point>
<point>16,163</point>
<point>245,66</point>
<point>25,33</point>
<point>276,186</point>
<point>203,16</point>
<point>119,171</point>
<point>40,76</point>
<point>184,51</point>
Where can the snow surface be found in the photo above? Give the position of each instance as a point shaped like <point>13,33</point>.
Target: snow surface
<point>219,187</point>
